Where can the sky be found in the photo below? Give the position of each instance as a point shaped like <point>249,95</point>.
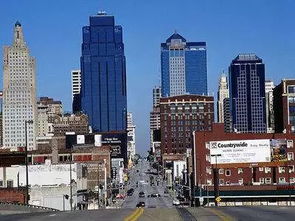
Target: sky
<point>52,30</point>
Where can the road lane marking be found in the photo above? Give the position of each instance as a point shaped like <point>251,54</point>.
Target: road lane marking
<point>135,215</point>
<point>223,216</point>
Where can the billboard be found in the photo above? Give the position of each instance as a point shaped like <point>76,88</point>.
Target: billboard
<point>278,150</point>
<point>80,139</point>
<point>240,151</point>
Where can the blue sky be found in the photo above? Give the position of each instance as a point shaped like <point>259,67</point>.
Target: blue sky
<point>52,30</point>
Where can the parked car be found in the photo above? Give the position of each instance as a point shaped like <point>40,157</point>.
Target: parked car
<point>140,204</point>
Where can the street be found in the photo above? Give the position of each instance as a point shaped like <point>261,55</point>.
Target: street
<point>156,208</point>
<point>143,180</point>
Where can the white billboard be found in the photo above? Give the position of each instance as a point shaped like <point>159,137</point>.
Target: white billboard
<point>240,151</point>
<point>80,139</point>
<point>97,140</point>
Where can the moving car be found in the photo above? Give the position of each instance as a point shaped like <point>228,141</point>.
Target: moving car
<point>176,202</point>
<point>141,194</point>
<point>140,204</point>
<point>155,195</point>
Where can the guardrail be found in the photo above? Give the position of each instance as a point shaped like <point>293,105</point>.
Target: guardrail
<point>28,206</point>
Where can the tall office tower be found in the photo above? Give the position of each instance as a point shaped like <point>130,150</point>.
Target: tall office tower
<point>247,94</point>
<point>270,119</point>
<point>227,116</point>
<point>284,106</point>
<point>155,117</point>
<point>76,87</point>
<point>183,67</point>
<point>19,94</point>
<point>222,94</point>
<point>131,144</point>
<point>103,74</point>
<point>156,96</point>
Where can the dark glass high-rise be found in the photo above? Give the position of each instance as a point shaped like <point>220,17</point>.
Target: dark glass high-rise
<point>247,94</point>
<point>103,74</point>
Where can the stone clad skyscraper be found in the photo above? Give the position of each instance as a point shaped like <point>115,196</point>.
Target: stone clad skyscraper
<point>19,94</point>
<point>103,74</point>
<point>222,94</point>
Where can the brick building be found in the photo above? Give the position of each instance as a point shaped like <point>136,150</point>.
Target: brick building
<point>284,105</point>
<point>77,123</point>
<point>180,116</point>
<point>267,173</point>
<point>12,195</point>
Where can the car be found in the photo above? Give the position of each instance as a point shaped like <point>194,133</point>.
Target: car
<point>155,195</point>
<point>141,194</point>
<point>176,202</point>
<point>140,204</point>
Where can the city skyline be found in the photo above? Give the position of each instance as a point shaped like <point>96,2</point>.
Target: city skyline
<point>276,51</point>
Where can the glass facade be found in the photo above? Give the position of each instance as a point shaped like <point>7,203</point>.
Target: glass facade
<point>247,94</point>
<point>103,74</point>
<point>183,67</point>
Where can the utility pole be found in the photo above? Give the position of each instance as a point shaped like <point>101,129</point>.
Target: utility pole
<point>105,183</point>
<point>71,187</point>
<point>98,183</point>
<point>216,178</point>
<point>26,158</point>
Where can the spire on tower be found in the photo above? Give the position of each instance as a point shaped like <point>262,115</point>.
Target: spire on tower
<point>18,35</point>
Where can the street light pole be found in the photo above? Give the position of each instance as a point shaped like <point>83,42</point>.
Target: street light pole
<point>26,158</point>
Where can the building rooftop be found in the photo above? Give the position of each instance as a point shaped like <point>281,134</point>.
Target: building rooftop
<point>247,57</point>
<point>17,23</point>
<point>175,36</point>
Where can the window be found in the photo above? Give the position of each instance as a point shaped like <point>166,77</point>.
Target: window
<point>227,172</point>
<point>9,183</point>
<point>267,180</point>
<point>290,156</point>
<point>267,169</point>
<point>221,181</point>
<point>282,180</point>
<point>291,89</point>
<point>240,170</point>
<point>209,181</point>
<point>221,171</point>
<point>1,182</point>
<point>292,179</point>
<point>261,180</point>
<point>208,170</point>
<point>281,169</point>
<point>261,169</point>
<point>241,181</point>
<point>291,169</point>
<point>208,158</point>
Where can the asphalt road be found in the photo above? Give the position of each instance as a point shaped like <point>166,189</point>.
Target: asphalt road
<point>144,185</point>
<point>261,213</point>
<point>159,209</point>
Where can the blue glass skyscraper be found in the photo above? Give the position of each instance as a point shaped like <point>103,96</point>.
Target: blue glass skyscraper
<point>247,94</point>
<point>183,67</point>
<point>103,74</point>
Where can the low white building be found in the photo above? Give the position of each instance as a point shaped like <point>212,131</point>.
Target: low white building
<point>48,183</point>
<point>179,170</point>
<point>131,144</point>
